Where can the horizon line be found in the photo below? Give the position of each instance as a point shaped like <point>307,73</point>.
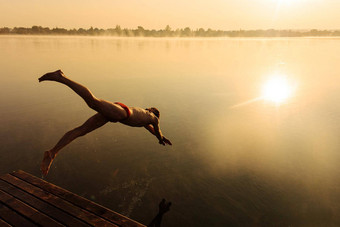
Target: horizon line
<point>173,29</point>
<point>168,32</point>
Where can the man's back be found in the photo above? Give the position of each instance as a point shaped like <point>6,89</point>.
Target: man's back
<point>140,117</point>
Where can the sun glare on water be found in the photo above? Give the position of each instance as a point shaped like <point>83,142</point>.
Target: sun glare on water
<point>277,89</point>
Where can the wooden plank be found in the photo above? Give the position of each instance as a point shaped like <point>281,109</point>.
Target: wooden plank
<point>42,206</point>
<point>27,211</point>
<point>77,200</point>
<point>13,218</point>
<point>3,223</point>
<point>78,212</point>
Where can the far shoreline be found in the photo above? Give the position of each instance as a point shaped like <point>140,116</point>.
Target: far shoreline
<point>168,32</point>
<point>169,38</point>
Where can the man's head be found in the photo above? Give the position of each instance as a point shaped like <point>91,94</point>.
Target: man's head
<point>154,110</point>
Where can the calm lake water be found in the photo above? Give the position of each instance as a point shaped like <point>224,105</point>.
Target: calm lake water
<point>236,159</point>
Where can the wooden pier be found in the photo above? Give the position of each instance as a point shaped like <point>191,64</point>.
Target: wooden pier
<point>26,200</point>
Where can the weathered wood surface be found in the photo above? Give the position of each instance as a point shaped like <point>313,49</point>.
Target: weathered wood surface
<point>26,200</point>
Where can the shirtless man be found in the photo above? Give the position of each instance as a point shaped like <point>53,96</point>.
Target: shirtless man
<point>106,111</point>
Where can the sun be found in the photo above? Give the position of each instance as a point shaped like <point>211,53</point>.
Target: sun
<point>277,89</point>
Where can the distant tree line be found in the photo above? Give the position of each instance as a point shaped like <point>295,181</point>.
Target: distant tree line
<point>166,32</point>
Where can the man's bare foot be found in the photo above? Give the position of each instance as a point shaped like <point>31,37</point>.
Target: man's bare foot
<point>46,163</point>
<point>53,76</point>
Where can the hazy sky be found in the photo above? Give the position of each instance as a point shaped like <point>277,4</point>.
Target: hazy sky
<point>216,14</point>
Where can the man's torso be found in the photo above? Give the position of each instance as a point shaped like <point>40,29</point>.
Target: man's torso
<point>139,117</point>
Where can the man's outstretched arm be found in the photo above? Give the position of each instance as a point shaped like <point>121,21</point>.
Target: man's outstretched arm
<point>157,132</point>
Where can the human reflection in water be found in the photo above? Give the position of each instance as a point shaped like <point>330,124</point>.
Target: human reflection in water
<point>106,111</point>
<point>163,208</point>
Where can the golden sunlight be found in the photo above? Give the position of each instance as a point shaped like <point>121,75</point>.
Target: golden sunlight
<point>286,1</point>
<point>277,89</point>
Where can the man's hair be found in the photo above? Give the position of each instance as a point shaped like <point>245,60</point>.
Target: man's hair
<point>154,110</point>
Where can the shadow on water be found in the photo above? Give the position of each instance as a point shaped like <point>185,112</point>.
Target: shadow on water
<point>163,208</point>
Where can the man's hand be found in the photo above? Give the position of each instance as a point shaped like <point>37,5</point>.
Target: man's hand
<point>161,141</point>
<point>165,140</point>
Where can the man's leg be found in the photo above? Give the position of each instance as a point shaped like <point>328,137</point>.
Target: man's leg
<point>82,91</point>
<point>91,124</point>
<point>110,110</point>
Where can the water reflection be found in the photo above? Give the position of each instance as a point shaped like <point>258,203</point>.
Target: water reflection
<point>277,89</point>
<point>254,165</point>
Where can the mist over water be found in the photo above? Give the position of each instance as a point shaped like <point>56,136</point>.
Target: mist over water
<point>258,164</point>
